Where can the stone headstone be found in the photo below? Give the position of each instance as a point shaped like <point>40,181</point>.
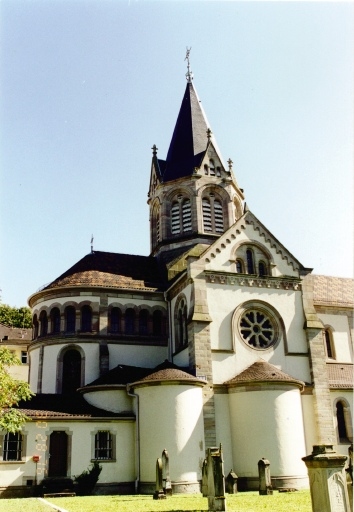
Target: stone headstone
<point>265,483</point>
<point>205,478</point>
<point>166,481</point>
<point>159,494</point>
<point>231,483</point>
<point>327,477</point>
<point>216,480</point>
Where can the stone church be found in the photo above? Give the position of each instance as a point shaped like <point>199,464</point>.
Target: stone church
<point>220,335</point>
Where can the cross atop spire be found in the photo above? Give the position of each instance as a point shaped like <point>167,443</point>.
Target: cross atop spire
<point>189,74</point>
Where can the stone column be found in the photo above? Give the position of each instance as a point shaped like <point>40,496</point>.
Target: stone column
<point>327,477</point>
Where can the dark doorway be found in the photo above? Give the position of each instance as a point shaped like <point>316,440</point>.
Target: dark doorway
<point>71,371</point>
<point>58,454</point>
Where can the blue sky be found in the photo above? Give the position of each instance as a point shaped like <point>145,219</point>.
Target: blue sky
<point>87,87</point>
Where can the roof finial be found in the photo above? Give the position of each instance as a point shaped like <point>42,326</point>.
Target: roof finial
<point>154,150</point>
<point>209,134</point>
<point>91,244</point>
<point>230,162</point>
<point>189,74</point>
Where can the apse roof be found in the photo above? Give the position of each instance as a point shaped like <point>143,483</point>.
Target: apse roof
<point>262,371</point>
<point>106,269</point>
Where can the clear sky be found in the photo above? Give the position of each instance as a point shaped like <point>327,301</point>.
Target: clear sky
<point>87,88</point>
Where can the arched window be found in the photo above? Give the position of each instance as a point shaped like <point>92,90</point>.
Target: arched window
<point>212,167</point>
<point>35,327</point>
<point>239,266</point>
<point>157,323</point>
<point>206,169</point>
<point>181,327</point>
<point>213,215</point>
<point>181,216</point>
<point>70,319</point>
<point>155,226</point>
<point>262,269</point>
<point>71,371</point>
<point>44,323</point>
<point>129,321</point>
<point>86,319</point>
<point>218,172</point>
<point>329,344</point>
<point>116,320</point>
<point>250,264</point>
<point>341,423</point>
<point>55,318</point>
<point>143,322</point>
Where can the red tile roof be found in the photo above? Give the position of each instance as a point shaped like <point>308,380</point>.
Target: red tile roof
<point>261,371</point>
<point>333,291</point>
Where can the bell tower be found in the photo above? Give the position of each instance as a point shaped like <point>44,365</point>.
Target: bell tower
<point>193,195</point>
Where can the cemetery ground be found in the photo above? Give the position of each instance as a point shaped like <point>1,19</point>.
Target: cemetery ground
<point>299,501</point>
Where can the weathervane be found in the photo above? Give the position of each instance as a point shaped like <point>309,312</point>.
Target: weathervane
<point>91,244</point>
<point>189,74</point>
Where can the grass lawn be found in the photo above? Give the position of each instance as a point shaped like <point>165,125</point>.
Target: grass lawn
<point>299,501</point>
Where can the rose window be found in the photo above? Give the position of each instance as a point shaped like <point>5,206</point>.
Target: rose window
<point>257,328</point>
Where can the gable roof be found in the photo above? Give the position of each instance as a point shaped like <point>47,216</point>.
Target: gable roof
<point>15,334</point>
<point>333,291</point>
<point>262,372</point>
<point>107,269</point>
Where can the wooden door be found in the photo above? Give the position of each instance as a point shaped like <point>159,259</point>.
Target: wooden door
<point>58,454</point>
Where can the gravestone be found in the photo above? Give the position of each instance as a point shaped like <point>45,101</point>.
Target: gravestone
<point>205,478</point>
<point>265,483</point>
<point>231,483</point>
<point>328,484</point>
<point>216,480</point>
<point>159,494</point>
<point>166,481</point>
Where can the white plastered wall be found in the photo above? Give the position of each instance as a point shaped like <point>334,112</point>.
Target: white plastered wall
<point>171,418</point>
<point>341,335</point>
<point>272,428</point>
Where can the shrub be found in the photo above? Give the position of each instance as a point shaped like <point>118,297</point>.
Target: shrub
<point>86,482</point>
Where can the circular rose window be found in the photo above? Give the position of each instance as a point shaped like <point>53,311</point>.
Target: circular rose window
<point>258,328</point>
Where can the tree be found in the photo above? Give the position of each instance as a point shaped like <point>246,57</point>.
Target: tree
<point>15,317</point>
<point>11,392</point>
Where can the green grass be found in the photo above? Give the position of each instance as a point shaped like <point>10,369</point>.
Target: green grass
<point>299,501</point>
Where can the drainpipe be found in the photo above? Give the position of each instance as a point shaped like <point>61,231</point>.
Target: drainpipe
<point>137,438</point>
<point>170,356</point>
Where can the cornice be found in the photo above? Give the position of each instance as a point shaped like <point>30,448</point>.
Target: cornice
<point>247,280</point>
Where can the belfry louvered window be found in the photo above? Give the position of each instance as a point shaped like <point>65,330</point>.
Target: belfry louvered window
<point>181,216</point>
<point>213,216</point>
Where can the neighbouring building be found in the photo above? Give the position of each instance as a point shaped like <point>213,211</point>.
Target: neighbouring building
<point>219,336</point>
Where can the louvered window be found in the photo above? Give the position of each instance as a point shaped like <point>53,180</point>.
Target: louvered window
<point>213,215</point>
<point>175,219</point>
<point>207,215</point>
<point>181,216</point>
<point>218,216</point>
<point>212,167</point>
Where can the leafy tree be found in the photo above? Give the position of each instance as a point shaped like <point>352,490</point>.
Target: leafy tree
<point>11,392</point>
<point>15,317</point>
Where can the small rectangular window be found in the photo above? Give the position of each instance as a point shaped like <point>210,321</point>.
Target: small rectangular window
<point>24,357</point>
<point>103,445</point>
<point>12,447</point>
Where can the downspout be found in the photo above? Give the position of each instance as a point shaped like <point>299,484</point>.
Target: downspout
<point>170,356</point>
<point>137,439</point>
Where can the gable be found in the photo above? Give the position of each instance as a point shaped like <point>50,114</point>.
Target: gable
<point>249,233</point>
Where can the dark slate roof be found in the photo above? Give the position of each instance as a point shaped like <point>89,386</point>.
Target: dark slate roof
<point>340,375</point>
<point>189,139</point>
<point>72,406</point>
<point>107,269</point>
<point>124,374</point>
<point>261,371</point>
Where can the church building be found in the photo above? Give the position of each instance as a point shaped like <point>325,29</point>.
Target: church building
<point>220,335</point>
